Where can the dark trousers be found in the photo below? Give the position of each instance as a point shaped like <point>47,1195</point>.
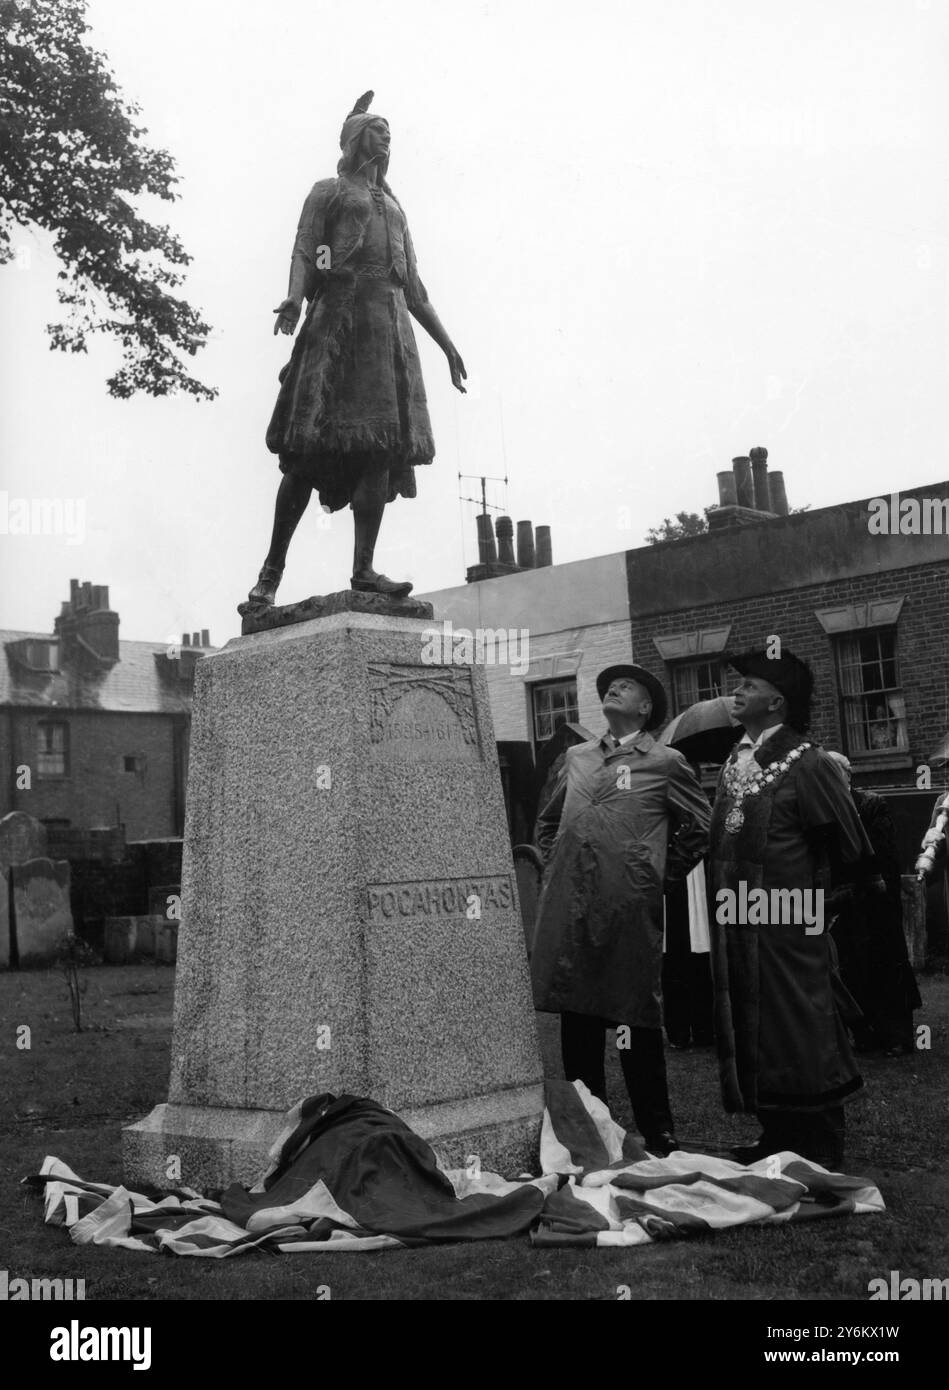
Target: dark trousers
<point>582,1041</point>
<point>818,1136</point>
<point>686,978</point>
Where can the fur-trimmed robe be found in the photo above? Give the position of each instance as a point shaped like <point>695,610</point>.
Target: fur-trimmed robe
<point>780,1033</point>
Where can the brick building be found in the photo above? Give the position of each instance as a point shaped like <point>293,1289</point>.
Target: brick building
<point>869,612</point>
<point>864,602</point>
<point>94,730</point>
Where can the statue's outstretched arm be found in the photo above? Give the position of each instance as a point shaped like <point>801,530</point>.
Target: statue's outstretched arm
<point>423,311</point>
<point>304,273</point>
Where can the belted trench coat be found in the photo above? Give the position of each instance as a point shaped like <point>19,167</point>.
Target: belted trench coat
<point>605,838</point>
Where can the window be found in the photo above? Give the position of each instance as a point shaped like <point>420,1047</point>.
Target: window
<point>52,749</point>
<point>695,680</point>
<point>874,710</point>
<point>554,704</point>
<point>42,656</point>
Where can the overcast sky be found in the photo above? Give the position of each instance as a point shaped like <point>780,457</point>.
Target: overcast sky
<point>658,235</point>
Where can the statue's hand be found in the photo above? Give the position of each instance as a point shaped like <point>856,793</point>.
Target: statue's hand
<point>456,367</point>
<point>287,315</point>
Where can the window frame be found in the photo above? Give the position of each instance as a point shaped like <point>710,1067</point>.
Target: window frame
<point>569,718</point>
<point>42,773</point>
<point>679,667</point>
<point>859,699</point>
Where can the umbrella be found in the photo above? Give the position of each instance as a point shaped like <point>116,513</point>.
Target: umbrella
<point>705,732</point>
<point>941,754</point>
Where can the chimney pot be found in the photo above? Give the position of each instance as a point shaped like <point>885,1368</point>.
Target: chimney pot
<point>196,639</point>
<point>544,554</point>
<point>73,593</point>
<point>487,550</point>
<point>759,469</point>
<point>504,528</point>
<point>744,483</point>
<point>779,497</point>
<point>86,593</point>
<point>205,637</point>
<point>727,490</point>
<point>525,545</point>
<point>186,639</point>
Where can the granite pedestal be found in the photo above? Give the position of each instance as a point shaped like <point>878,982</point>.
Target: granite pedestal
<point>349,909</point>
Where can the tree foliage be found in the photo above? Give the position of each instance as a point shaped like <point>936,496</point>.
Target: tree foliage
<point>691,524</point>
<point>685,524</point>
<point>72,159</point>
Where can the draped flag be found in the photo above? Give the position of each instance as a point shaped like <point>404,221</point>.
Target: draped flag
<point>347,1174</point>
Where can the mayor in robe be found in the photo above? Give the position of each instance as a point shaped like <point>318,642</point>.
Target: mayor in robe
<point>783,819</point>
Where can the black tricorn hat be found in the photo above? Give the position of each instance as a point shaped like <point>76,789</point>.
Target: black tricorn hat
<point>645,678</point>
<point>787,673</point>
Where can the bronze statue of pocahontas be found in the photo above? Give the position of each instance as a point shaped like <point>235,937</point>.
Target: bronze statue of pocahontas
<point>351,420</point>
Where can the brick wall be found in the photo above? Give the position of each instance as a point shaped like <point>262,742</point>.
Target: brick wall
<point>97,791</point>
<point>922,647</point>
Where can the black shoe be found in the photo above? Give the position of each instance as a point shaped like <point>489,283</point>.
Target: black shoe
<point>660,1145</point>
<point>264,592</point>
<point>382,584</point>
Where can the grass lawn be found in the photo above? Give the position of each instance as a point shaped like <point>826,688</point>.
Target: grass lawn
<point>70,1093</point>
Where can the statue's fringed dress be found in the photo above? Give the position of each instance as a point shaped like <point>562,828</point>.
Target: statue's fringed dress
<point>352,396</point>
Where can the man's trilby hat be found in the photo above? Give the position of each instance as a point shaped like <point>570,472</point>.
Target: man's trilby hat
<point>645,678</point>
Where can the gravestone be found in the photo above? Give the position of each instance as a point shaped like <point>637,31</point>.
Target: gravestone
<point>41,909</point>
<point>350,919</point>
<point>22,838</point>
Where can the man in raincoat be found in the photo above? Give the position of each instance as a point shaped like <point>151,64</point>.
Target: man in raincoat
<point>626,816</point>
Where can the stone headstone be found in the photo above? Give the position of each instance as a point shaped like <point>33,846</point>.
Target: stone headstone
<point>349,911</point>
<point>148,936</point>
<point>119,936</point>
<point>22,838</point>
<point>166,941</point>
<point>41,909</point>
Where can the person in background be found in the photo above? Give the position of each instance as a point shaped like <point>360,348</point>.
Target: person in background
<point>868,930</point>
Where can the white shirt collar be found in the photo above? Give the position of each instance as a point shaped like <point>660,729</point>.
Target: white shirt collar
<point>746,741</point>
<point>627,738</point>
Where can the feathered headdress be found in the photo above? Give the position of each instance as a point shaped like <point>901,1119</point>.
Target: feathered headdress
<point>362,105</point>
<point>349,137</point>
